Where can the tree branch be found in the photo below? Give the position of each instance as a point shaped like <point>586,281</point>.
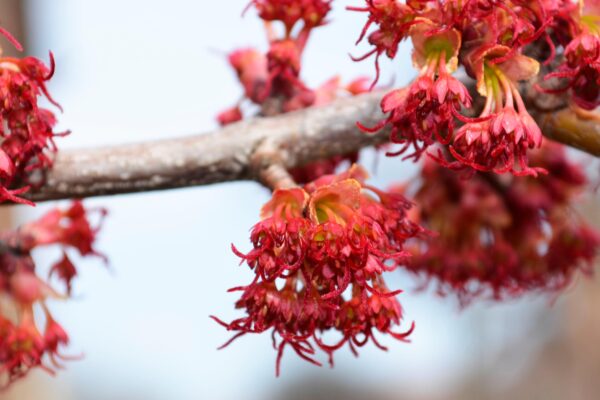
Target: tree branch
<point>575,129</point>
<point>230,153</point>
<point>6,248</point>
<point>227,154</point>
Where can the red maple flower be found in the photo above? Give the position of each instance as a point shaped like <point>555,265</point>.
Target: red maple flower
<point>22,345</point>
<point>251,68</point>
<point>311,12</point>
<point>488,39</point>
<point>336,234</point>
<point>26,132</point>
<point>69,227</point>
<point>581,70</point>
<point>284,70</point>
<point>504,237</point>
<point>425,113</point>
<point>499,139</point>
<point>576,28</point>
<point>230,115</point>
<point>272,80</point>
<point>393,20</point>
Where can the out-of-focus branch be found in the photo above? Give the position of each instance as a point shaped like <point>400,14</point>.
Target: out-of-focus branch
<point>5,248</point>
<point>230,153</point>
<point>576,129</point>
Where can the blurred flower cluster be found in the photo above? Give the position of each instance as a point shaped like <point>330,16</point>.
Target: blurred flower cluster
<point>23,345</point>
<point>26,149</point>
<point>503,237</point>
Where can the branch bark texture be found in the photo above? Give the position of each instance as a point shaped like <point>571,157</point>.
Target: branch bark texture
<point>227,154</point>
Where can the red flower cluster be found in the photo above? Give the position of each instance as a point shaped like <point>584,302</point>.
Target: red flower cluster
<point>26,144</point>
<point>393,20</point>
<point>26,131</point>
<point>488,39</point>
<point>425,112</point>
<point>503,236</point>
<point>311,12</point>
<point>22,345</point>
<point>577,30</point>
<point>581,69</point>
<point>499,139</point>
<point>319,254</point>
<point>272,80</point>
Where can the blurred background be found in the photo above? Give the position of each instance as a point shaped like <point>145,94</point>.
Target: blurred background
<point>139,70</point>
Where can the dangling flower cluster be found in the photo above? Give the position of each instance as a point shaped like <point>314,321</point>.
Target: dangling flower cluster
<point>23,345</point>
<point>311,12</point>
<point>487,38</point>
<point>500,138</point>
<point>319,253</point>
<point>393,20</point>
<point>503,237</point>
<point>581,66</point>
<point>272,80</point>
<point>26,130</point>
<point>425,112</point>
<point>26,146</point>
